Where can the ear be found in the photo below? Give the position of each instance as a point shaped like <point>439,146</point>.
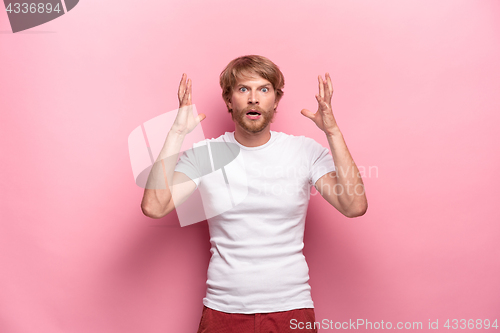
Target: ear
<point>276,102</point>
<point>229,104</point>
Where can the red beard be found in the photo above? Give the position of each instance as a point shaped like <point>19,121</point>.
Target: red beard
<point>253,126</point>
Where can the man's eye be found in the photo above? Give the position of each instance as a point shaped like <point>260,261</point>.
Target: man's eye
<point>265,89</point>
<point>243,89</point>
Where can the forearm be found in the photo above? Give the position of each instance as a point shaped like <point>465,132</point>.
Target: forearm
<point>350,188</point>
<point>157,193</point>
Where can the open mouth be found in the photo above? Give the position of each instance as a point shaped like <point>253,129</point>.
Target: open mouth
<point>253,113</point>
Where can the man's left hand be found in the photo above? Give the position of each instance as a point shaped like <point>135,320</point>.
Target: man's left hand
<point>324,118</point>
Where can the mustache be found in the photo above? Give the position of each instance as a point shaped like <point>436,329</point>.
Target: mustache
<point>255,107</point>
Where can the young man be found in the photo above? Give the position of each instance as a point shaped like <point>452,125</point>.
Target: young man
<point>258,277</point>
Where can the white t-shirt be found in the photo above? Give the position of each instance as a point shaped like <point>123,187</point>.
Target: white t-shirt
<point>257,265</point>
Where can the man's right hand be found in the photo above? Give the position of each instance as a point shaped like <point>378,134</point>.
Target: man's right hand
<point>166,187</point>
<point>185,122</point>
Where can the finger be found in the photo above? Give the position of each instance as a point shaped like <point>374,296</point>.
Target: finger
<point>307,113</point>
<point>190,91</point>
<point>329,81</point>
<point>322,105</point>
<point>182,87</point>
<point>185,98</point>
<point>327,95</point>
<point>328,92</point>
<point>319,99</point>
<point>321,87</point>
<point>201,117</point>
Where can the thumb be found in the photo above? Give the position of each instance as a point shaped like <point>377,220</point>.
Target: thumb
<point>307,113</point>
<point>200,117</point>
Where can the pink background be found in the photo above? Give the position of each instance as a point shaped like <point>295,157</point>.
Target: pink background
<point>416,95</point>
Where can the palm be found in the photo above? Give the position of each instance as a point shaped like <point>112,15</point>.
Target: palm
<point>323,118</point>
<point>185,121</point>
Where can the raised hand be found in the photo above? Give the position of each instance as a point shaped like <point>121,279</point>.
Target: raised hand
<point>185,122</point>
<point>324,118</point>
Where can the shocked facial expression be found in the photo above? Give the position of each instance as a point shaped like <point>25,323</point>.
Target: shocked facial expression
<point>253,103</point>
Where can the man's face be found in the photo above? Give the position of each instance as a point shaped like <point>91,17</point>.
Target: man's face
<point>253,103</point>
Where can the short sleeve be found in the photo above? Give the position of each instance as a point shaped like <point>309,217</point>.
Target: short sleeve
<point>321,160</point>
<point>188,165</point>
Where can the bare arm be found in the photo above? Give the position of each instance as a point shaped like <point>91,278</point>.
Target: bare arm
<point>164,186</point>
<point>343,189</point>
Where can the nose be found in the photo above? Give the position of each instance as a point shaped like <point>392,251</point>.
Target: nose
<point>253,98</point>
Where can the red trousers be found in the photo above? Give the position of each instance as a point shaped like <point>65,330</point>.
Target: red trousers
<point>213,321</point>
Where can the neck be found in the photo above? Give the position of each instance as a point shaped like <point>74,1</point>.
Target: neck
<point>249,139</point>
